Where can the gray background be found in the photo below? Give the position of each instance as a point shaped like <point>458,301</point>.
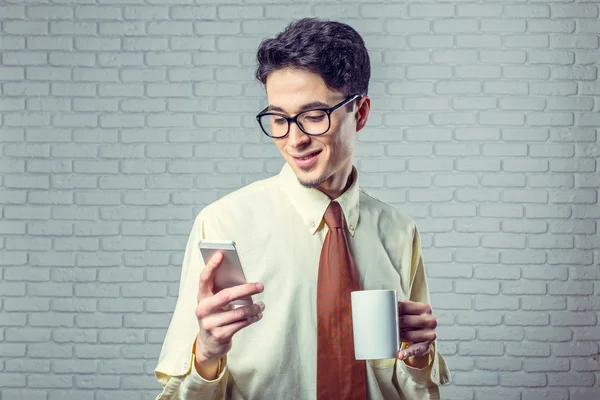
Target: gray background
<point>121,119</point>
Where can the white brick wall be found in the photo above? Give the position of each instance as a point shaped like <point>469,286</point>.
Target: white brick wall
<point>121,119</point>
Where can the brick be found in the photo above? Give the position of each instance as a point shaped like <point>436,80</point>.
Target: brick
<point>101,259</point>
<point>478,41</point>
<point>570,318</point>
<point>554,26</point>
<point>96,290</point>
<point>49,43</point>
<point>525,196</point>
<point>118,367</point>
<point>99,321</point>
<point>123,243</point>
<point>477,287</point>
<point>501,333</point>
<point>571,379</point>
<point>28,366</point>
<point>481,349</point>
<point>526,41</point>
<point>11,73</point>
<point>574,11</point>
<point>543,304</point>
<point>126,213</point>
<point>12,11</point>
<point>74,305</point>
<point>584,349</point>
<point>96,351</point>
<point>587,365</point>
<point>120,306</point>
<point>128,28</point>
<point>95,74</point>
<point>497,363</point>
<point>455,25</point>
<point>556,334</point>
<point>504,273</point>
<point>160,305</point>
<point>97,382</point>
<point>98,44</point>
<point>120,275</point>
<point>570,288</point>
<point>146,12</point>
<point>503,180</point>
<point>70,395</point>
<point>208,27</point>
<point>26,27</point>
<point>480,164</point>
<point>146,321</point>
<point>73,366</point>
<point>518,379</point>
<point>487,302</point>
<point>483,379</point>
<point>234,12</point>
<point>56,320</point>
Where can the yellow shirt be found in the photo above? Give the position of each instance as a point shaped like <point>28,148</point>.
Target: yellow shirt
<point>277,225</point>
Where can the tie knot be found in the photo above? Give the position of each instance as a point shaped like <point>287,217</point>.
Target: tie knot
<point>334,218</point>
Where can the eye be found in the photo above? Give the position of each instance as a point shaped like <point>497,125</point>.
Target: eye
<point>317,118</point>
<point>279,121</point>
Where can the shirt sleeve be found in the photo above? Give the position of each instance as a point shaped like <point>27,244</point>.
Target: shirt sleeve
<point>175,370</point>
<point>421,383</point>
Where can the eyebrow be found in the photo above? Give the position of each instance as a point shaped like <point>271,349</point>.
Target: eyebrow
<point>304,107</point>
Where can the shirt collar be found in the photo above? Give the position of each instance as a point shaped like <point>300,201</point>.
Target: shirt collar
<point>311,203</point>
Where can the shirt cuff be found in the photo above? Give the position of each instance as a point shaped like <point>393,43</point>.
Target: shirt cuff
<point>196,379</point>
<point>421,376</point>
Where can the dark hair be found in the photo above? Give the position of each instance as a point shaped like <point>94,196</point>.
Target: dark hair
<point>331,49</point>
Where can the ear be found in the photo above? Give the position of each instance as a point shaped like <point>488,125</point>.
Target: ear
<point>362,113</point>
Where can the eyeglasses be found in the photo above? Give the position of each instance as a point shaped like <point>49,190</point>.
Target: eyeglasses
<point>313,122</point>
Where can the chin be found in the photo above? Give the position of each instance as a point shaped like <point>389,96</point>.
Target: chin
<point>311,179</point>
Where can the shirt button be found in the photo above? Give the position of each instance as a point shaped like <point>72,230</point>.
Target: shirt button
<point>312,224</point>
<point>351,227</point>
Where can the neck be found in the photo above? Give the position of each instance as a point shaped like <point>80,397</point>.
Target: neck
<point>334,188</point>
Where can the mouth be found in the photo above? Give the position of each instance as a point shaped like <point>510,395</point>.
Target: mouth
<point>307,160</point>
<point>307,156</point>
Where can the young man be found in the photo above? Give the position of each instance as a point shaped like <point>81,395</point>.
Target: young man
<point>306,238</point>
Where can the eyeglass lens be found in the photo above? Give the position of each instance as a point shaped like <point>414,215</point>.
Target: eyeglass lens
<point>313,122</point>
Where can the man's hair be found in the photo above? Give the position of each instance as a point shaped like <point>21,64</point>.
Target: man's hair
<point>331,49</point>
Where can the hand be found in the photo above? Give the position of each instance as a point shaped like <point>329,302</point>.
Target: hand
<point>417,329</point>
<point>217,319</point>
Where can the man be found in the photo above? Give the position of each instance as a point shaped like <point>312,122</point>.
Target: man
<point>295,341</point>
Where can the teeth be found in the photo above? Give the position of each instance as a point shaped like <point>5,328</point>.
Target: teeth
<point>307,157</point>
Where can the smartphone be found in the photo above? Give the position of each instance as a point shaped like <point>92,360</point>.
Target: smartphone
<point>230,272</point>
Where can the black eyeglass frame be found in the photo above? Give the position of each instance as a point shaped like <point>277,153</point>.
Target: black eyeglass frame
<point>294,119</point>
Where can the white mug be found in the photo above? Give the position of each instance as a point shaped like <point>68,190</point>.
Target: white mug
<point>375,324</point>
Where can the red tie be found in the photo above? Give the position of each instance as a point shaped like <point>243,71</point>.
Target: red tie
<point>339,375</point>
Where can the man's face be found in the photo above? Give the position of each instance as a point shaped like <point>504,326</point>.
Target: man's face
<point>325,161</point>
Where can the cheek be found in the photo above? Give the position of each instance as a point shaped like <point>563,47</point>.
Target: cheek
<point>343,140</point>
<point>280,145</point>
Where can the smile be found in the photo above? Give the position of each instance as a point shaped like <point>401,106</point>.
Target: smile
<point>307,160</point>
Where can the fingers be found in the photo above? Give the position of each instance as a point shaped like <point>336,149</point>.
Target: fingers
<point>224,334</point>
<point>207,275</point>
<point>417,350</point>
<point>410,322</point>
<point>224,318</point>
<point>413,308</point>
<point>211,304</point>
<point>418,336</point>
<point>417,328</point>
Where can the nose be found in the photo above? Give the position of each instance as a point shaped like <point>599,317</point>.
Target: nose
<point>297,138</point>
